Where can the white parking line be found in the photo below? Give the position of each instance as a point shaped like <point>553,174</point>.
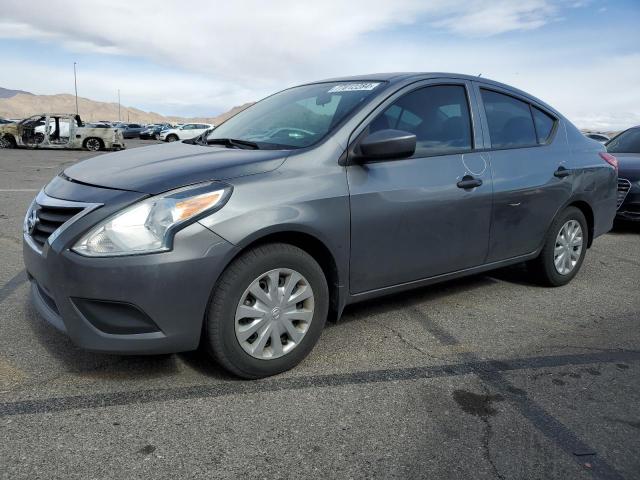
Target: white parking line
<point>19,189</point>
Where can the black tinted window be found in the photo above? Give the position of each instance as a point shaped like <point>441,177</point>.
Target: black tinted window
<point>510,123</point>
<point>438,116</point>
<point>626,142</point>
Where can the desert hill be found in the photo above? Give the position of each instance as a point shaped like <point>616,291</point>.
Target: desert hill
<point>19,104</point>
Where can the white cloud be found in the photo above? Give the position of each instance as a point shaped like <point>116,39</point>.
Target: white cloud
<point>216,55</point>
<point>248,38</point>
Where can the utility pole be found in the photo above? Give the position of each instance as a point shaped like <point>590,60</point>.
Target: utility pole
<point>75,83</point>
<point>119,119</point>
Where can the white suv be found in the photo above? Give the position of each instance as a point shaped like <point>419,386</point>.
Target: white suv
<point>184,132</point>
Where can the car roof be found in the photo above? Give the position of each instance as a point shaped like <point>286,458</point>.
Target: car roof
<point>398,77</point>
<point>394,77</point>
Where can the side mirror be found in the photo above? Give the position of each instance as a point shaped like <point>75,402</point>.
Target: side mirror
<point>386,145</point>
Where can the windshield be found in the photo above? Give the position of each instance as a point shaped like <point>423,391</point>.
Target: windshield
<point>626,142</point>
<point>296,118</point>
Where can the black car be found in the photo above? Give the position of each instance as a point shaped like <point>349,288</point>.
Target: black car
<point>153,131</point>
<point>626,148</point>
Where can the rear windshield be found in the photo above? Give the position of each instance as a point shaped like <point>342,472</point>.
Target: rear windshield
<point>298,117</point>
<point>626,142</point>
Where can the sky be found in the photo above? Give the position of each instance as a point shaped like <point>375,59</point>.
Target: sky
<point>202,58</point>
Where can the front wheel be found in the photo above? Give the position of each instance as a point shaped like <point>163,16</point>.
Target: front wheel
<point>564,249</point>
<point>172,138</point>
<point>267,312</point>
<point>7,141</point>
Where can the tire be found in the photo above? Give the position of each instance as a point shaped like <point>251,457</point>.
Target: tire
<point>544,266</point>
<point>7,141</point>
<point>220,339</point>
<point>172,138</point>
<point>93,144</point>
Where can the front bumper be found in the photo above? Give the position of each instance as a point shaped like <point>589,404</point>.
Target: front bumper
<point>169,291</point>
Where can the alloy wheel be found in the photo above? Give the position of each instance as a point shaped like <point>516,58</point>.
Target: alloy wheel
<point>93,144</point>
<point>568,247</point>
<point>274,314</point>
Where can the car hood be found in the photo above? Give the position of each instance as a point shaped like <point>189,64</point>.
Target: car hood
<point>158,168</point>
<point>628,165</point>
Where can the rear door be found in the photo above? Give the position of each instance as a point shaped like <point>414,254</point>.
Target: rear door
<point>531,172</point>
<point>188,131</point>
<point>410,219</point>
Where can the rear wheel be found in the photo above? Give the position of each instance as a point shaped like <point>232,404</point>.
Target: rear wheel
<point>172,138</point>
<point>267,311</point>
<point>93,144</point>
<point>564,249</point>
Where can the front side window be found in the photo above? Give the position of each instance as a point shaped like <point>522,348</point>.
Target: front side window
<point>626,142</point>
<point>509,119</point>
<point>298,117</point>
<point>438,116</point>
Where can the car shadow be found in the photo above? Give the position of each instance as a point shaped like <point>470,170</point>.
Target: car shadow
<point>625,226</point>
<point>85,363</point>
<point>104,366</point>
<point>412,298</point>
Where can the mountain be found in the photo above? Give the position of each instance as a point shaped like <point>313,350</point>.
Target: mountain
<point>8,93</point>
<point>24,104</point>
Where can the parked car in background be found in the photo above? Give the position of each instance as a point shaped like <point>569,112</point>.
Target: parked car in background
<point>598,137</point>
<point>184,132</point>
<point>59,130</point>
<point>626,148</point>
<point>131,130</point>
<point>4,121</point>
<point>153,131</point>
<point>99,125</point>
<point>316,197</point>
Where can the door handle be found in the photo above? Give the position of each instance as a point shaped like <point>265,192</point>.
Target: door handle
<point>468,182</point>
<point>562,172</point>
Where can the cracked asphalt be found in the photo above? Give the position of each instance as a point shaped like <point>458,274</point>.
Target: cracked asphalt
<point>486,377</point>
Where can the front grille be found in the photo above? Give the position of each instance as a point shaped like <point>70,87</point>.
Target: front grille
<point>624,186</point>
<point>49,220</point>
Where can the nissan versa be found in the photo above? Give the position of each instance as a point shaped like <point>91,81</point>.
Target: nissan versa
<point>246,239</point>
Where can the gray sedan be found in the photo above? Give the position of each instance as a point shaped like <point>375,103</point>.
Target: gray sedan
<point>247,239</point>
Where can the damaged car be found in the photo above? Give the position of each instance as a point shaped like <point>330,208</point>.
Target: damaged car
<point>59,130</point>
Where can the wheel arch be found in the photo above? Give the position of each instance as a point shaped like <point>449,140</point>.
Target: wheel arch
<point>11,138</point>
<point>587,211</point>
<point>84,142</point>
<point>581,204</point>
<point>313,245</point>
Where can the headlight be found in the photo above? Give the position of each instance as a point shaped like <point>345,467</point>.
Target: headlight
<point>148,226</point>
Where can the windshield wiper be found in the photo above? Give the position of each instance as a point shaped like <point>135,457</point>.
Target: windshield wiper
<point>233,143</point>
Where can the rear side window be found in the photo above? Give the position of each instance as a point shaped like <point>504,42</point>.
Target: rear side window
<point>438,116</point>
<point>510,122</point>
<point>626,142</point>
<point>544,124</point>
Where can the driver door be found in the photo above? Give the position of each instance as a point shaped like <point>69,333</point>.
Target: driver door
<point>412,219</point>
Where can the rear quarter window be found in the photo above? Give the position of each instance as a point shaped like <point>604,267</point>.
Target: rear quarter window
<point>544,124</point>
